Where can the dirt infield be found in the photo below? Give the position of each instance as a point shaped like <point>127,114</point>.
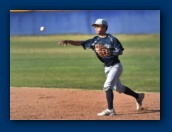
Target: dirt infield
<point>70,104</point>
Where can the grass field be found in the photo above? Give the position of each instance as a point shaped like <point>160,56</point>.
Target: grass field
<point>37,61</point>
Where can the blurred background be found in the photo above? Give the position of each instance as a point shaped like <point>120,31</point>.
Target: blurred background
<point>27,22</point>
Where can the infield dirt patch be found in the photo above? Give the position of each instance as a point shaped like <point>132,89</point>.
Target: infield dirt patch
<point>71,104</point>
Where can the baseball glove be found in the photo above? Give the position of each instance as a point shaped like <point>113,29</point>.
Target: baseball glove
<point>102,51</point>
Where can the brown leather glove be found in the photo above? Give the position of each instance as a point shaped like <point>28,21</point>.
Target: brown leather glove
<point>102,51</point>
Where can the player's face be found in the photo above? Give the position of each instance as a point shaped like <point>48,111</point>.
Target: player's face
<point>100,30</point>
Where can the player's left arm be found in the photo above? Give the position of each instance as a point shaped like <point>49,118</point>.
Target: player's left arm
<point>118,49</point>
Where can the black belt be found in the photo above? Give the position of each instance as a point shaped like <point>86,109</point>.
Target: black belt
<point>111,64</point>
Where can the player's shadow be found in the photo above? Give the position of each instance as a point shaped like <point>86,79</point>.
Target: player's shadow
<point>143,111</point>
<point>147,111</point>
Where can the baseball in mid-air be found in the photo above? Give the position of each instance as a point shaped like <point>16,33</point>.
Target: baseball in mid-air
<point>42,28</point>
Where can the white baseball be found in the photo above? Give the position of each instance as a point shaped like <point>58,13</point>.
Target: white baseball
<point>42,28</point>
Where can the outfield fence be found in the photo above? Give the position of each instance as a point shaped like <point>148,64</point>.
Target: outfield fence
<point>28,22</point>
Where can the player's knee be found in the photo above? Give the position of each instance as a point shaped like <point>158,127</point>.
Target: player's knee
<point>107,88</point>
<point>120,89</point>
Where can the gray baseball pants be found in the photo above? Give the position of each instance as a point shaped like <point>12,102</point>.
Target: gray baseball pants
<point>113,74</point>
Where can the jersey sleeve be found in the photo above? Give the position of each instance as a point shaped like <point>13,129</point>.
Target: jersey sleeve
<point>88,44</point>
<point>118,48</point>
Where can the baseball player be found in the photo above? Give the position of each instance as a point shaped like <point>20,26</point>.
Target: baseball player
<point>107,48</point>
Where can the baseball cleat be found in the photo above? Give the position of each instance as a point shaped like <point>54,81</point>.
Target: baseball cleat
<point>107,112</point>
<point>139,101</point>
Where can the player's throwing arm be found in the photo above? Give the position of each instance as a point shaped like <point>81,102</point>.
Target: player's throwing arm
<point>72,42</point>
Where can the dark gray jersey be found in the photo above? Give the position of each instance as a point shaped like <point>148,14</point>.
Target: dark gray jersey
<point>110,42</point>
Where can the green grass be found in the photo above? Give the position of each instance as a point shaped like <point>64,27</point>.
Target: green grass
<point>37,61</point>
